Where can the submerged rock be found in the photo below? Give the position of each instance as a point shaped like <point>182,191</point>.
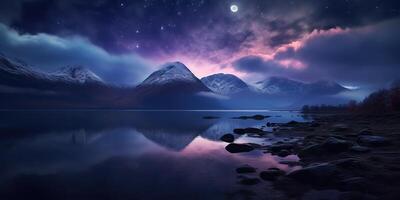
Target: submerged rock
<point>311,150</point>
<point>354,183</point>
<point>340,128</point>
<point>283,153</point>
<point>249,181</point>
<point>360,149</point>
<point>271,174</point>
<point>333,144</point>
<point>242,131</point>
<point>372,140</point>
<point>238,148</point>
<point>292,123</point>
<point>255,117</point>
<point>245,169</point>
<point>228,138</point>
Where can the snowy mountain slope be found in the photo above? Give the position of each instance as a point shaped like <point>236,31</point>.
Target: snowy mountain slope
<point>169,73</point>
<point>285,86</point>
<point>77,74</point>
<point>224,84</point>
<point>280,85</point>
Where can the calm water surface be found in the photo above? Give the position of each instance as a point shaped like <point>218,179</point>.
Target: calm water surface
<point>130,155</point>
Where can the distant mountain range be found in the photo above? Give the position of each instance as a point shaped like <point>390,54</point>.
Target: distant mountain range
<point>174,86</point>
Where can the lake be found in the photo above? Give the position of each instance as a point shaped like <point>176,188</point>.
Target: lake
<point>131,154</point>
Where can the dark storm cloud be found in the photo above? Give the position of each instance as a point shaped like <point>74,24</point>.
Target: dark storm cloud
<point>48,53</point>
<point>363,56</point>
<point>255,64</point>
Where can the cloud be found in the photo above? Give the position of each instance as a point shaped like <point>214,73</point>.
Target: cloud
<point>367,55</point>
<point>48,53</point>
<point>363,56</point>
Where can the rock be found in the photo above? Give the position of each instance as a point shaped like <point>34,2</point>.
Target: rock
<point>314,174</point>
<point>249,181</point>
<point>210,117</point>
<point>334,145</point>
<point>315,124</point>
<point>238,148</point>
<point>278,147</point>
<point>245,169</point>
<point>239,131</point>
<point>242,131</point>
<point>349,163</point>
<point>365,132</point>
<point>228,138</point>
<point>328,194</point>
<point>354,183</point>
<point>271,174</point>
<point>360,149</point>
<point>352,195</point>
<point>290,162</point>
<point>311,150</point>
<point>372,140</point>
<point>283,153</point>
<point>340,128</point>
<point>255,117</point>
<point>292,123</point>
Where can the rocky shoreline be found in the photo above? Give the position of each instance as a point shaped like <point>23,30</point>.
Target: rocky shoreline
<point>342,156</point>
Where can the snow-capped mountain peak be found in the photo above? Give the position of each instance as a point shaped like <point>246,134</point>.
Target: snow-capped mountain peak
<point>275,85</point>
<point>170,72</point>
<point>77,74</point>
<point>224,83</point>
<point>17,67</point>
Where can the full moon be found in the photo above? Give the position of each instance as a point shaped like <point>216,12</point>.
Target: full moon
<point>234,8</point>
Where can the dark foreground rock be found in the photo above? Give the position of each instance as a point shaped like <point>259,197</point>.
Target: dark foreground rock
<point>271,174</point>
<point>245,169</point>
<point>228,138</point>
<point>373,140</point>
<point>238,148</point>
<point>249,181</point>
<point>314,174</point>
<point>242,131</point>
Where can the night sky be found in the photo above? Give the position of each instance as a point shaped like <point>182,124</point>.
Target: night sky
<point>353,42</point>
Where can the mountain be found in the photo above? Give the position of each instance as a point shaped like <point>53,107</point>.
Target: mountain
<point>325,88</point>
<point>285,86</point>
<point>173,86</point>
<point>77,74</point>
<point>23,87</point>
<point>14,72</point>
<point>280,85</point>
<point>225,84</point>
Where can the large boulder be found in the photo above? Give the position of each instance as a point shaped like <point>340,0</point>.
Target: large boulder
<point>334,145</point>
<point>314,174</point>
<point>238,148</point>
<point>228,138</point>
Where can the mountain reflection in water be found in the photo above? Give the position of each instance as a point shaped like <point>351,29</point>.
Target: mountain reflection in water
<point>126,154</point>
